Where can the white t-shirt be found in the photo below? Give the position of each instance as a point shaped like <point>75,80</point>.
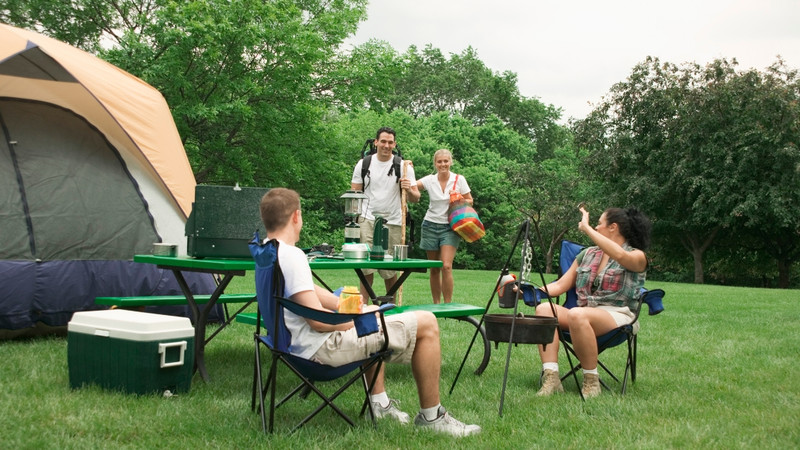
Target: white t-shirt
<point>297,278</point>
<point>382,190</point>
<point>440,200</point>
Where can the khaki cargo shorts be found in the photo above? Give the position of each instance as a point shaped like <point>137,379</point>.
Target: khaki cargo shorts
<point>344,347</point>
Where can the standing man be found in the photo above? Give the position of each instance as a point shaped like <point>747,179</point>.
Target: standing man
<point>383,183</point>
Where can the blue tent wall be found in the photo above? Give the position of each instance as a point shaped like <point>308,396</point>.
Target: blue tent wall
<point>50,292</point>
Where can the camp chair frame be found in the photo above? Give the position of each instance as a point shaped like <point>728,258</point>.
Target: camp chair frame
<point>277,341</point>
<point>612,339</point>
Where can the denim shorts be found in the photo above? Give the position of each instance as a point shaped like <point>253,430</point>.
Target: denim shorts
<point>435,235</point>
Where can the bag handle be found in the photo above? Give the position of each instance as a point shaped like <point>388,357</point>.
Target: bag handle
<point>455,197</point>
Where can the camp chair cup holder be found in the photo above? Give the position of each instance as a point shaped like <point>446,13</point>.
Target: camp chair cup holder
<point>654,303</point>
<point>507,296</point>
<point>527,329</point>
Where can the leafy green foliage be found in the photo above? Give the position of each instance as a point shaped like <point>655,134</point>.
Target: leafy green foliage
<point>243,77</point>
<point>263,94</point>
<point>425,82</point>
<point>703,149</point>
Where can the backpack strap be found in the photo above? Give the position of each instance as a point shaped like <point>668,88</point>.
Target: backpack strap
<point>397,160</point>
<point>365,162</point>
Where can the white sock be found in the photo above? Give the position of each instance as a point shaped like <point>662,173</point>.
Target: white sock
<point>381,399</point>
<point>594,371</point>
<point>430,414</point>
<point>550,366</point>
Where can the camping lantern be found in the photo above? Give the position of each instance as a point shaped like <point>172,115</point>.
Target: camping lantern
<point>352,209</point>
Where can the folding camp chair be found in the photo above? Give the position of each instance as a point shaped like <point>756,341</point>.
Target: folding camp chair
<point>625,334</point>
<point>269,283</point>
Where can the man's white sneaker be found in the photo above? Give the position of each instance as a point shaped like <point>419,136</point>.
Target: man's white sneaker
<point>445,423</point>
<point>391,411</point>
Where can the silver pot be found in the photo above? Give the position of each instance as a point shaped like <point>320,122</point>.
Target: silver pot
<point>355,251</point>
<point>160,249</point>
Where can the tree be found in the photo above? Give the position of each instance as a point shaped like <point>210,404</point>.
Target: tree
<point>244,78</point>
<point>638,132</point>
<point>700,149</point>
<point>263,95</point>
<point>765,123</point>
<point>425,82</point>
<point>362,78</point>
<point>548,193</point>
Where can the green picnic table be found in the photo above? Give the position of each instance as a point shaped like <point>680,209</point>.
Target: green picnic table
<point>229,268</point>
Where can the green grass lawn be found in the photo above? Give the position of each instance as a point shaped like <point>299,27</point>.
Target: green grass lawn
<point>718,369</point>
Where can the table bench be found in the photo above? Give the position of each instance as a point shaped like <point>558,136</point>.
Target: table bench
<point>171,300</point>
<point>458,311</point>
<point>165,300</point>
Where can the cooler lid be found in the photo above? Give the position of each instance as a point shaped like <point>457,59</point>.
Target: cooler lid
<point>130,325</point>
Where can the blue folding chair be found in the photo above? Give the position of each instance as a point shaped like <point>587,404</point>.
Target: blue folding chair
<point>269,288</point>
<point>624,334</point>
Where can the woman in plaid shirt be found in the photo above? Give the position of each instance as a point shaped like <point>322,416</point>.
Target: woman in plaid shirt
<point>607,278</point>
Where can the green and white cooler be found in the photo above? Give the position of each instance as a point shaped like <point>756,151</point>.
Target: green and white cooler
<point>131,351</point>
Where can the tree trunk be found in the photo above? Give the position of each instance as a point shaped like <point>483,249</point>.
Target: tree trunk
<point>698,266</point>
<point>697,249</point>
<point>784,268</point>
<point>555,242</point>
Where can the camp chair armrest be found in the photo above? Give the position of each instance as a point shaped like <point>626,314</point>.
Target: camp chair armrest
<point>385,307</point>
<point>328,317</point>
<point>365,323</point>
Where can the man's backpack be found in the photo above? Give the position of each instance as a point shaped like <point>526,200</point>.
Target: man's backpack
<point>368,150</point>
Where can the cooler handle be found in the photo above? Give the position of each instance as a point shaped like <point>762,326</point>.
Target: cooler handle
<point>162,350</point>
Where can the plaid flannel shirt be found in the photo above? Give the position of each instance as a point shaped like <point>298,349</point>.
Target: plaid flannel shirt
<point>613,285</point>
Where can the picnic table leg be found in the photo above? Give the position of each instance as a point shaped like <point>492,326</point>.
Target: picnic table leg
<point>367,286</point>
<point>389,297</point>
<point>201,317</point>
<point>487,346</point>
<point>321,281</point>
<point>398,283</point>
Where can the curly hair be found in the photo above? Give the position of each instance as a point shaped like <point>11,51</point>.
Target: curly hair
<point>633,225</point>
<point>385,130</point>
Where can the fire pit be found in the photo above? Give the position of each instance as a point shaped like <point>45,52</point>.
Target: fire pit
<point>527,330</point>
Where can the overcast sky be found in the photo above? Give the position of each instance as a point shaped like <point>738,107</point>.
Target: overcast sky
<point>569,53</point>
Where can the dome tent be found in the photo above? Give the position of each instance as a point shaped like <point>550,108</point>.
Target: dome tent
<point>92,171</point>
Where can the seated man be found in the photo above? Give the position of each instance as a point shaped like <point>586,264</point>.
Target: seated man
<point>413,337</point>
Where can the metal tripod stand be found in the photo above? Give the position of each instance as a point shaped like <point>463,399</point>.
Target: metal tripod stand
<point>528,256</point>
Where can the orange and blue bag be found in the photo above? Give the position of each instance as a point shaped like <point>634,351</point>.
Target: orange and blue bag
<point>463,218</point>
